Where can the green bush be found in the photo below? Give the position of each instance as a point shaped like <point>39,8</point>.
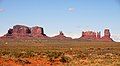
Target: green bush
<point>54,54</point>
<point>65,59</point>
<point>5,53</point>
<point>27,54</point>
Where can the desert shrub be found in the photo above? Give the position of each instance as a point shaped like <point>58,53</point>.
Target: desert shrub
<point>81,55</point>
<point>23,61</point>
<point>65,59</point>
<point>26,54</point>
<point>5,53</point>
<point>16,54</point>
<point>30,54</point>
<point>54,54</point>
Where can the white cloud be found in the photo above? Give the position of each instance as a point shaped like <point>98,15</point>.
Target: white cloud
<point>116,37</point>
<point>71,9</point>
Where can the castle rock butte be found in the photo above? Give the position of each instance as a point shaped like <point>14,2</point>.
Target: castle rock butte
<point>21,31</point>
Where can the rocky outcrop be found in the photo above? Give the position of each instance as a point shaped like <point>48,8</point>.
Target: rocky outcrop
<point>106,36</point>
<point>37,32</point>
<point>61,36</point>
<point>90,35</point>
<point>21,31</point>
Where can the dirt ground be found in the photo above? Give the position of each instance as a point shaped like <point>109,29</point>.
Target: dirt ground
<point>59,53</point>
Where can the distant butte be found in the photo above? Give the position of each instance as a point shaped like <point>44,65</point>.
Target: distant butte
<point>21,31</point>
<point>61,36</point>
<point>90,35</point>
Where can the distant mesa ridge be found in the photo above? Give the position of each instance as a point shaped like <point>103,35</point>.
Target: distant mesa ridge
<point>21,31</point>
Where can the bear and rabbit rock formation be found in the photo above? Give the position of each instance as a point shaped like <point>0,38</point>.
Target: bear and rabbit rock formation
<point>21,31</point>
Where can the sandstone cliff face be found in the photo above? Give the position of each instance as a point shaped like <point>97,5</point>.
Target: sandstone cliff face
<point>37,32</point>
<point>90,35</point>
<point>106,36</point>
<point>21,31</point>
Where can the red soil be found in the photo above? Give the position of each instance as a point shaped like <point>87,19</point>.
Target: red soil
<point>33,62</point>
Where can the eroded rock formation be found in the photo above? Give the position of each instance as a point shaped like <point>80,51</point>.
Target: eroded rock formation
<point>37,32</point>
<point>106,36</point>
<point>90,35</point>
<point>21,31</point>
<point>61,36</point>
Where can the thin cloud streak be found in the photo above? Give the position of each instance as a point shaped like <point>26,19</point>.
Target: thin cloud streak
<point>2,10</point>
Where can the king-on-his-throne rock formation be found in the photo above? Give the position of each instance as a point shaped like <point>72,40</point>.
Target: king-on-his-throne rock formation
<point>21,31</point>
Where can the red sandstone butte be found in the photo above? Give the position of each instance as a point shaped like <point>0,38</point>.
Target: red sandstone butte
<point>21,31</point>
<point>90,35</point>
<point>61,36</point>
<point>106,36</point>
<point>37,32</point>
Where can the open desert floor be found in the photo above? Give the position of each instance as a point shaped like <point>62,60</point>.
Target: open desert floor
<point>42,52</point>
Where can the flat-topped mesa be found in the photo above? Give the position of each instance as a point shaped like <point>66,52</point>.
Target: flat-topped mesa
<point>18,31</point>
<point>21,31</point>
<point>37,32</point>
<point>90,35</point>
<point>61,36</point>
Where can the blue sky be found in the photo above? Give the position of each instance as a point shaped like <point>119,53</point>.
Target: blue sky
<point>69,16</point>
